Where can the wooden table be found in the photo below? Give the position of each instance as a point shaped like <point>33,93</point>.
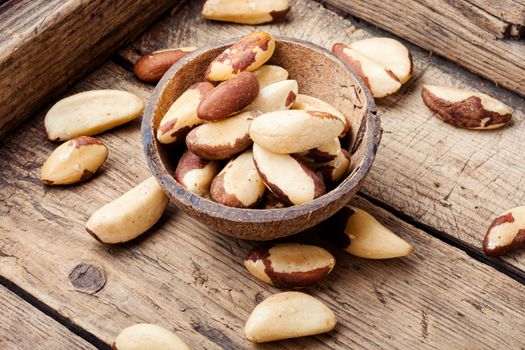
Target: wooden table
<point>436,186</point>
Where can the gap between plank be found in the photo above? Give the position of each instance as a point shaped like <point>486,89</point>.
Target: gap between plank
<point>495,263</point>
<point>52,313</point>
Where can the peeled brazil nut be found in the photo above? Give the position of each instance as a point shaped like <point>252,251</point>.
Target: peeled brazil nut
<point>275,97</point>
<point>309,103</point>
<point>294,131</point>
<point>288,315</point>
<point>222,139</point>
<point>335,169</point>
<point>248,54</point>
<point>151,67</point>
<point>388,52</point>
<point>379,79</point>
<point>195,173</point>
<point>245,12</point>
<point>466,109</point>
<point>130,215</point>
<point>90,113</point>
<point>238,184</point>
<point>268,74</point>
<point>289,265</point>
<point>229,97</point>
<point>506,233</point>
<point>182,114</point>
<point>324,153</point>
<point>289,179</point>
<point>145,336</point>
<point>360,234</point>
<point>73,161</point>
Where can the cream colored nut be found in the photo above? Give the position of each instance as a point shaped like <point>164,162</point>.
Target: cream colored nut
<point>90,113</point>
<point>195,173</point>
<point>288,315</point>
<point>294,131</point>
<point>333,170</point>
<point>466,109</point>
<point>222,139</point>
<point>275,97</point>
<point>229,97</point>
<point>360,234</point>
<point>379,79</point>
<point>130,215</point>
<point>151,67</point>
<point>389,53</point>
<point>144,336</point>
<point>73,161</point>
<point>309,103</point>
<point>324,153</point>
<point>271,201</point>
<point>238,184</point>
<point>245,11</point>
<point>182,114</point>
<point>289,265</point>
<point>248,54</point>
<point>289,179</point>
<point>506,233</point>
<point>268,74</point>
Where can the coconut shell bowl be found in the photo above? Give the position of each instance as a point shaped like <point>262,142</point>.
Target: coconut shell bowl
<point>319,73</point>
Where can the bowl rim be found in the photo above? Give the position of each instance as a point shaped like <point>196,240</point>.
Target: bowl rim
<point>232,214</point>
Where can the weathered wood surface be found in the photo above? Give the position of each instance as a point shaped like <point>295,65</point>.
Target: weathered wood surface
<point>191,280</point>
<point>456,29</point>
<point>510,11</point>
<point>46,45</point>
<point>453,180</point>
<point>24,327</point>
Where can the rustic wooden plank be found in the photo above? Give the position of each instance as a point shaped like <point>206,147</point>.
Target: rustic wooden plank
<point>453,180</point>
<point>438,26</point>
<point>512,11</point>
<point>191,280</point>
<point>46,45</point>
<point>24,327</point>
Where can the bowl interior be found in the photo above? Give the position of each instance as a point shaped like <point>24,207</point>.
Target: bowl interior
<point>319,73</point>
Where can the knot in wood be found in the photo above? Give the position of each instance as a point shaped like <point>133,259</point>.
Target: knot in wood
<point>87,278</point>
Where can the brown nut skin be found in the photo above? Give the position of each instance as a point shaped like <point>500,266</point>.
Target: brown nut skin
<point>195,173</point>
<point>75,160</point>
<point>238,184</point>
<point>229,97</point>
<point>248,54</point>
<point>151,67</point>
<point>506,233</point>
<point>222,139</point>
<point>467,113</point>
<point>301,184</point>
<point>289,265</point>
<point>181,117</point>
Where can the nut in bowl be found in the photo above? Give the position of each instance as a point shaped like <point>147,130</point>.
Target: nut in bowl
<point>319,74</point>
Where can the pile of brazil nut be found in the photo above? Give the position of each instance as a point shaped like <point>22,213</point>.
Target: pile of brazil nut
<point>253,141</point>
<point>256,122</point>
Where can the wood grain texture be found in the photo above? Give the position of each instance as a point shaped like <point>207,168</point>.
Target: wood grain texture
<point>511,11</point>
<point>453,180</point>
<point>187,278</point>
<point>454,29</point>
<point>24,327</point>
<point>45,46</point>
